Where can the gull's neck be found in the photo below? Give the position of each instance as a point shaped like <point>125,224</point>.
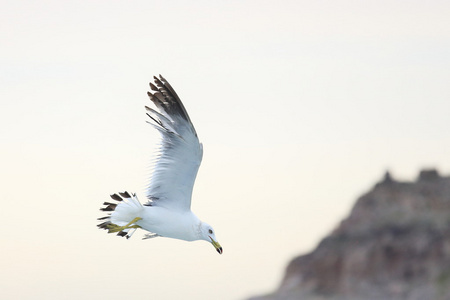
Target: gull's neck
<point>199,230</point>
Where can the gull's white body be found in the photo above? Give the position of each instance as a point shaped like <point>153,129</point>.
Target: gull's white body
<point>174,169</point>
<point>177,225</point>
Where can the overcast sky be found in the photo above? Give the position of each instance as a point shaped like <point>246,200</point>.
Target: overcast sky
<point>301,106</point>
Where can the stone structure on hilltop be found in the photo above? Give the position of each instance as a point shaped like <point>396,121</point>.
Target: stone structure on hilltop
<point>394,245</point>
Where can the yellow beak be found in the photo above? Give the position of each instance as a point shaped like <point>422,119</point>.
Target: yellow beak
<point>216,245</point>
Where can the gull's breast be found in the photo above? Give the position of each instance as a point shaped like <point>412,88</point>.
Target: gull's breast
<point>171,224</point>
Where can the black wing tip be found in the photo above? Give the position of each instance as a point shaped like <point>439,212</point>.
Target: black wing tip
<point>122,233</point>
<point>158,82</point>
<point>109,206</point>
<point>166,99</point>
<point>104,225</point>
<point>159,78</point>
<point>116,197</point>
<point>153,87</point>
<point>162,78</point>
<point>125,194</point>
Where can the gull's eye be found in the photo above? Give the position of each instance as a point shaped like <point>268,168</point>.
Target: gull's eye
<point>210,231</point>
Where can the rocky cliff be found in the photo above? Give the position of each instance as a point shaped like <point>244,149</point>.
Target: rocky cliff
<point>395,245</point>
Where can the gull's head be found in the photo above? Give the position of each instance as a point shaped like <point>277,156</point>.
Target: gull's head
<point>208,234</point>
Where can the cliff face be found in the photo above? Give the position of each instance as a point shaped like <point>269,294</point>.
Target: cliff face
<point>394,245</point>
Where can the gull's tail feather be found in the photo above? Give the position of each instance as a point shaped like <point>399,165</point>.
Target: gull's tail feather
<point>126,210</point>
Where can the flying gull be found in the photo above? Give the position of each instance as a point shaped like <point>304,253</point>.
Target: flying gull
<point>167,212</point>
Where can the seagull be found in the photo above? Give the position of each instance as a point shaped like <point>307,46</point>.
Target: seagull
<point>167,212</point>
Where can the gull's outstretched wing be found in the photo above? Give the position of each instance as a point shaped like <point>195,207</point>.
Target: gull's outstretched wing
<point>176,164</point>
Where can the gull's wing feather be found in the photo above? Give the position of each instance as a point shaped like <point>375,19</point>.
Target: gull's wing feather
<point>176,163</point>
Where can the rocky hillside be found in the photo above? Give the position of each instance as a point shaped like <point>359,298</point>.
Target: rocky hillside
<point>394,245</point>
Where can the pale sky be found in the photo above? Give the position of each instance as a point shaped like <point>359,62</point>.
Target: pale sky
<point>301,106</point>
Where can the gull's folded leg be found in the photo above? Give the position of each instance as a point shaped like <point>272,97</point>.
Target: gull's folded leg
<point>116,228</point>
